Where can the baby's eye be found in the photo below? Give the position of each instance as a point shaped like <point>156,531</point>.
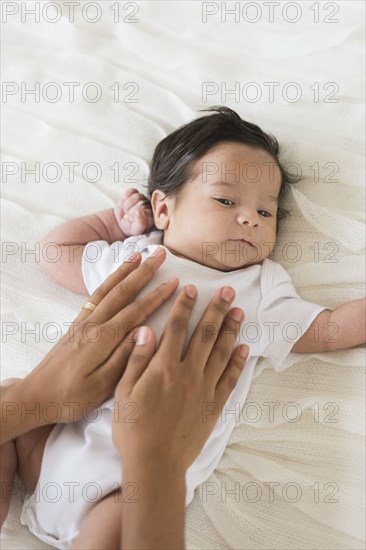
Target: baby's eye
<point>222,201</point>
<point>268,214</point>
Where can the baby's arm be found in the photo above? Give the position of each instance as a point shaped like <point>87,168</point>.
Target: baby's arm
<point>71,237</point>
<point>342,328</point>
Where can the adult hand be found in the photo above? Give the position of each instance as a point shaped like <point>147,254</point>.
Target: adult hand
<point>177,400</point>
<point>82,369</point>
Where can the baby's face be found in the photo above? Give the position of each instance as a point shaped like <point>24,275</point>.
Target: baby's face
<point>227,213</point>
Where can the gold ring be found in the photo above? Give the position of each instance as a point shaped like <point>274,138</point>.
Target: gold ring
<point>89,305</point>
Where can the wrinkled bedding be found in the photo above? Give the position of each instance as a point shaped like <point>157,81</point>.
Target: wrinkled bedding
<point>292,475</point>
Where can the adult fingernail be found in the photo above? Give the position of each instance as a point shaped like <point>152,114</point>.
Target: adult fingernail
<point>236,314</point>
<point>227,294</point>
<point>143,336</point>
<point>157,251</point>
<point>134,257</point>
<point>191,291</point>
<point>244,351</point>
<point>172,280</point>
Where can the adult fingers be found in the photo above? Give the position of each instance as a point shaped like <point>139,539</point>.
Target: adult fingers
<point>139,358</point>
<point>231,374</point>
<point>98,296</point>
<point>123,292</point>
<point>103,338</point>
<point>176,327</point>
<point>206,332</point>
<point>136,313</point>
<point>223,347</point>
<point>105,378</point>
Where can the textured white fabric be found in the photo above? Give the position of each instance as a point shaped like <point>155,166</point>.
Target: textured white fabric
<point>169,54</point>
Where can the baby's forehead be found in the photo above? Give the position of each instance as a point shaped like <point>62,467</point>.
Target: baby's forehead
<point>236,163</point>
<point>229,152</point>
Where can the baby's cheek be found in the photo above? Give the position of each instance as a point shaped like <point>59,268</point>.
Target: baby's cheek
<point>267,247</point>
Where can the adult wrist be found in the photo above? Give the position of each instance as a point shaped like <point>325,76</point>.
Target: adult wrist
<point>32,409</point>
<point>19,412</point>
<point>156,518</point>
<point>150,467</point>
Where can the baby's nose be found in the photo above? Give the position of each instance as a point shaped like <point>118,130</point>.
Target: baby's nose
<point>250,218</point>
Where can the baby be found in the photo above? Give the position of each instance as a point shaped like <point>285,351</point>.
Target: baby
<point>216,188</point>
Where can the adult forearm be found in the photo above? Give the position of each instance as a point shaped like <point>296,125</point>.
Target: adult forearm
<point>349,323</point>
<point>20,413</point>
<point>154,516</point>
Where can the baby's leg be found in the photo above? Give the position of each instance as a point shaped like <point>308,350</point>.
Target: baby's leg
<point>30,447</point>
<point>101,528</point>
<point>24,455</point>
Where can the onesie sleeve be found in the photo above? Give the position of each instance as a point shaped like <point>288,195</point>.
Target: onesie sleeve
<point>283,317</point>
<point>99,260</point>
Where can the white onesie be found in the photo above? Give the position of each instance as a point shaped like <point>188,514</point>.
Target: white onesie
<point>80,463</point>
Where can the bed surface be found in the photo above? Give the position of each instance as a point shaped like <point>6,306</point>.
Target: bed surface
<point>298,473</point>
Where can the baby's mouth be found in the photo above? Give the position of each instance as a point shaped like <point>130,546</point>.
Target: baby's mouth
<point>242,241</point>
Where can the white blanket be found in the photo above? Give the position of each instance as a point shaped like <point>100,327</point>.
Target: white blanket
<point>295,462</point>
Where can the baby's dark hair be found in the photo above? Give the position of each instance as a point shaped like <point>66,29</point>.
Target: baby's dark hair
<point>175,156</point>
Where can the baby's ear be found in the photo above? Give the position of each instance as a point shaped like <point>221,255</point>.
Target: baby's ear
<point>161,205</point>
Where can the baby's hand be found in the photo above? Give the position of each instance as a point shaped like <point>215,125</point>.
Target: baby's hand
<point>133,213</point>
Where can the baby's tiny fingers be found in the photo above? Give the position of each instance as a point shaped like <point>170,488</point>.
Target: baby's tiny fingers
<point>132,202</point>
<point>142,208</point>
<point>124,197</point>
<point>127,193</point>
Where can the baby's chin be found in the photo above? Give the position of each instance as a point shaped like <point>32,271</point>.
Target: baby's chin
<point>216,261</point>
<point>229,258</point>
<point>234,266</point>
